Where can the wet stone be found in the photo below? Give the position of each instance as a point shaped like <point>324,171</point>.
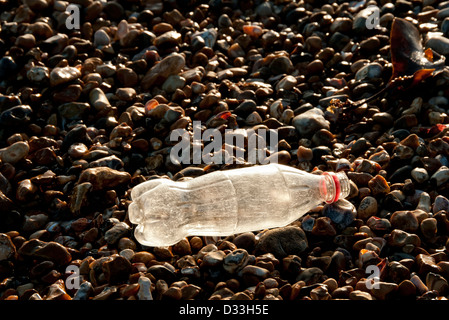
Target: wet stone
<point>384,290</point>
<point>441,176</point>
<point>16,116</point>
<point>236,260</point>
<point>404,220</point>
<point>119,230</point>
<point>38,74</point>
<point>254,274</point>
<point>437,282</point>
<point>368,72</point>
<point>104,177</point>
<point>323,227</point>
<point>246,240</point>
<point>15,152</point>
<point>52,251</point>
<point>213,259</point>
<point>342,213</point>
<point>428,227</point>
<point>26,190</point>
<point>286,83</point>
<point>426,264</point>
<point>144,292</point>
<point>309,122</point>
<point>73,110</point>
<point>117,269</point>
<point>420,175</point>
<point>440,203</point>
<point>368,207</point>
<point>439,44</point>
<point>170,65</point>
<point>379,185</point>
<point>7,248</point>
<point>310,275</point>
<point>63,75</point>
<point>378,224</point>
<point>79,196</point>
<point>282,242</point>
<point>281,65</point>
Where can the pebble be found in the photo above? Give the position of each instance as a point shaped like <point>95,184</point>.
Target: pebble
<point>368,207</point>
<point>101,38</point>
<point>424,202</point>
<point>15,152</point>
<point>118,231</point>
<point>360,295</point>
<point>235,261</point>
<point>369,71</point>
<point>428,227</point>
<point>144,292</point>
<point>73,110</point>
<point>63,75</point>
<point>286,83</point>
<point>26,190</point>
<point>437,282</point>
<point>127,77</point>
<point>246,240</point>
<point>400,238</point>
<point>7,65</point>
<point>173,82</point>
<point>126,94</point>
<point>310,275</point>
<point>116,270</point>
<point>438,43</point>
<point>104,177</point>
<point>309,122</point>
<point>16,116</point>
<point>378,185</point>
<point>280,65</point>
<point>38,73</point>
<point>440,203</point>
<point>84,291</point>
<point>407,289</point>
<point>86,115</point>
<point>426,264</point>
<point>441,176</point>
<point>79,196</point>
<point>320,293</point>
<point>342,213</point>
<point>213,259</point>
<point>419,285</point>
<point>420,175</point>
<point>404,220</point>
<point>282,242</point>
<point>384,289</point>
<point>254,274</point>
<point>168,66</point>
<point>7,247</point>
<point>52,251</point>
<point>98,99</point>
<point>168,39</point>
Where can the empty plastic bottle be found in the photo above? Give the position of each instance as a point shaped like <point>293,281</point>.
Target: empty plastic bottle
<point>227,202</point>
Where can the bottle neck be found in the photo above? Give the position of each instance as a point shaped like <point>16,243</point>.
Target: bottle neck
<point>334,186</point>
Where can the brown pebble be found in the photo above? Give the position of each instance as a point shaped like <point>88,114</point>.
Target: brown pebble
<point>379,185</point>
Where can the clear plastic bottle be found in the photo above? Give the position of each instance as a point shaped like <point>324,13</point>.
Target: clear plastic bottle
<point>227,202</point>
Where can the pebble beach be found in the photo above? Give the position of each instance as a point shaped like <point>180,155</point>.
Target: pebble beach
<point>87,111</point>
